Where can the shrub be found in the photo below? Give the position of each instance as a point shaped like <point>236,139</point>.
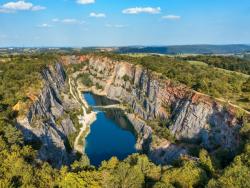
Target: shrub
<point>98,86</point>
<point>85,79</point>
<point>89,110</point>
<point>188,175</point>
<point>126,78</point>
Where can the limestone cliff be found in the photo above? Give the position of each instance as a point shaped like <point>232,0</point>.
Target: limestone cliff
<point>192,117</point>
<point>48,123</point>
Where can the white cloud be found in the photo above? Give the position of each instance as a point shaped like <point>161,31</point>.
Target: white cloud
<point>44,25</point>
<point>55,20</point>
<point>116,25</point>
<point>11,7</point>
<point>67,21</point>
<point>19,5</point>
<point>120,26</point>
<point>84,2</point>
<point>171,17</point>
<point>97,15</point>
<point>37,8</point>
<point>138,10</point>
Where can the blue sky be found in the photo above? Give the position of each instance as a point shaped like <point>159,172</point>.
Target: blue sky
<point>78,23</point>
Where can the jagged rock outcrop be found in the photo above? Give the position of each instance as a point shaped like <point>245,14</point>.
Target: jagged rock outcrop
<point>192,117</point>
<point>207,122</point>
<point>144,133</point>
<point>47,123</point>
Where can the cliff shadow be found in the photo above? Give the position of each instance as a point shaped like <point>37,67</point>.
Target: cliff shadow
<point>48,149</point>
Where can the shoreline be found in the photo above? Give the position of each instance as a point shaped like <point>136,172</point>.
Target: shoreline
<point>85,119</point>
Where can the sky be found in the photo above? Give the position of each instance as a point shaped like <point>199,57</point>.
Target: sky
<point>83,23</point>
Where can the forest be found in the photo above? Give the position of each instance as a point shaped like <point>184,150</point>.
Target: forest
<point>225,62</point>
<point>19,167</point>
<point>187,49</point>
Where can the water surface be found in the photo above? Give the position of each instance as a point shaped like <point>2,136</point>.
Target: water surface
<point>110,135</point>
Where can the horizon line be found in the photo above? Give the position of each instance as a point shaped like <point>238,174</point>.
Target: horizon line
<point>120,46</point>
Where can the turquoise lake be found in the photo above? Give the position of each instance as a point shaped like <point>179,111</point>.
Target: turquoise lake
<point>110,135</point>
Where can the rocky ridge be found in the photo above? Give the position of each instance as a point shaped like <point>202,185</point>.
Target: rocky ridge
<point>48,124</point>
<point>191,117</point>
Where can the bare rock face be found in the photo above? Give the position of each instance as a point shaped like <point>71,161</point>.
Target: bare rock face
<point>47,124</point>
<point>167,152</point>
<point>144,133</point>
<point>195,118</point>
<point>208,123</point>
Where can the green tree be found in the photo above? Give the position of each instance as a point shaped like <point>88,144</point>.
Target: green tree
<point>46,176</point>
<point>149,169</point>
<point>126,176</point>
<point>162,185</point>
<point>235,175</point>
<point>246,86</point>
<point>81,164</point>
<point>206,162</point>
<point>187,175</point>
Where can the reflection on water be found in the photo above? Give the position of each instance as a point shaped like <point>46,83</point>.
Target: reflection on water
<point>111,134</point>
<point>96,100</point>
<point>121,120</point>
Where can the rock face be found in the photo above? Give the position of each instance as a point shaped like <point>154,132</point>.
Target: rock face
<point>208,123</point>
<point>47,124</point>
<point>193,117</point>
<point>144,133</point>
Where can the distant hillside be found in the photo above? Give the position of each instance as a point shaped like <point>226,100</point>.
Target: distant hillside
<point>180,49</point>
<point>188,49</point>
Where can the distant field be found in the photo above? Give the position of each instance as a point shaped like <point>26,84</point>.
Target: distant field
<point>159,54</point>
<point>191,62</point>
<point>238,73</point>
<point>197,63</point>
<point>186,49</point>
<point>143,54</point>
<point>223,70</point>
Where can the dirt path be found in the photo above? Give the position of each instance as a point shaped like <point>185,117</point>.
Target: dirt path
<point>224,101</point>
<point>85,119</point>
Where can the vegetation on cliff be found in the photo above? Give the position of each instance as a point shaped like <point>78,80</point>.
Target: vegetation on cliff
<point>218,83</point>
<point>20,85</point>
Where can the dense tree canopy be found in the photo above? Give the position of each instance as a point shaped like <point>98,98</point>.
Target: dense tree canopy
<point>225,62</point>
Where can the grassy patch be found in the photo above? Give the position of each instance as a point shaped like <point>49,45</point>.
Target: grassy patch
<point>85,79</point>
